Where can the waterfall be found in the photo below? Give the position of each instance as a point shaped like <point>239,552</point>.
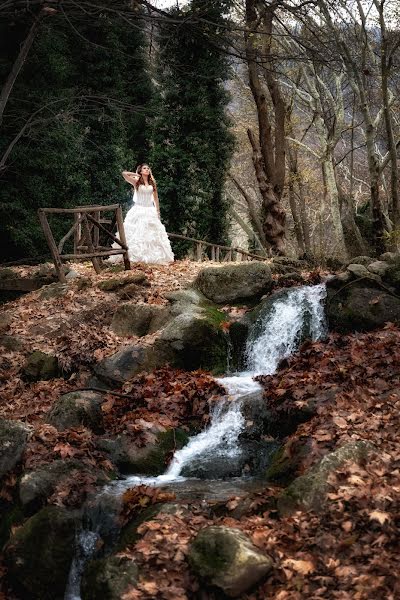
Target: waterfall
<point>283,323</point>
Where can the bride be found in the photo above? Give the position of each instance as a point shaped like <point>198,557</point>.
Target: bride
<point>146,237</point>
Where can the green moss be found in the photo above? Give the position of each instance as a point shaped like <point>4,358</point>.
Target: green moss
<point>215,316</point>
<point>152,461</point>
<point>108,578</point>
<point>211,553</point>
<point>41,367</point>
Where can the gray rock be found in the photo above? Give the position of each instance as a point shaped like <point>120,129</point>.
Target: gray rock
<point>226,558</point>
<point>11,342</point>
<point>13,439</point>
<point>36,486</point>
<point>145,460</point>
<point>76,409</point>
<point>234,282</point>
<point>361,307</point>
<point>72,274</point>
<point>139,319</point>
<point>40,552</point>
<point>379,267</point>
<point>40,366</point>
<point>109,578</point>
<point>390,257</point>
<point>116,283</point>
<point>361,260</point>
<point>5,321</point>
<point>122,366</point>
<point>361,271</point>
<point>54,290</point>
<point>308,492</point>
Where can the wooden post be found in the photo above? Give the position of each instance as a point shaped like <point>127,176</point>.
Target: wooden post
<point>86,229</point>
<point>199,252</point>
<point>217,254</point>
<point>213,253</point>
<point>96,231</point>
<point>52,245</point>
<point>121,235</point>
<point>77,233</point>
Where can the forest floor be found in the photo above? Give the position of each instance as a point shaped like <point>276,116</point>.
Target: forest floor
<point>348,550</point>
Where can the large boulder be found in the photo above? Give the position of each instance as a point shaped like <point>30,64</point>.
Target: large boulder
<point>5,321</point>
<point>76,409</point>
<point>40,553</point>
<point>108,578</point>
<point>308,492</point>
<point>40,366</point>
<point>361,260</point>
<point>379,267</point>
<point>54,290</point>
<point>226,558</point>
<point>360,306</point>
<point>362,272</point>
<point>150,459</point>
<point>13,440</point>
<point>36,486</point>
<point>122,366</point>
<point>139,319</point>
<point>235,282</point>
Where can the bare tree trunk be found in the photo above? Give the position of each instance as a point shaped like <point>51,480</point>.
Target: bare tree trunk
<point>298,230</point>
<point>274,216</point>
<point>269,150</point>
<point>253,212</point>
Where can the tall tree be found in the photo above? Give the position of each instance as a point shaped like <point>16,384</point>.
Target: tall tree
<point>192,144</point>
<point>74,119</point>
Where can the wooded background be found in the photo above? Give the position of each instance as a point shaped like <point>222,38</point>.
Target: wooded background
<point>274,125</point>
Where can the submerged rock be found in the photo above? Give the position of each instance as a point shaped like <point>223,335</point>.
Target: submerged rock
<point>76,409</point>
<point>234,282</point>
<point>226,558</point>
<point>13,440</point>
<point>109,578</point>
<point>308,492</point>
<point>40,552</point>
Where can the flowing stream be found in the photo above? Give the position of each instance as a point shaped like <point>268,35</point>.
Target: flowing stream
<point>283,323</point>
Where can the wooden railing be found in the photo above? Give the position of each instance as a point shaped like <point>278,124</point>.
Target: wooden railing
<point>215,252</point>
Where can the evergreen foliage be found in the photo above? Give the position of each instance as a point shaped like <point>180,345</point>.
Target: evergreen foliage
<point>93,90</point>
<point>192,144</point>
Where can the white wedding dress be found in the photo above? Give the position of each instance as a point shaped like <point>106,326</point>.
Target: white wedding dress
<point>146,236</point>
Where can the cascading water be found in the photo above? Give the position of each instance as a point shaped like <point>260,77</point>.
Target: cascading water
<point>283,323</point>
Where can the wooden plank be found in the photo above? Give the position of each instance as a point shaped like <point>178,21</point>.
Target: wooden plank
<point>52,245</point>
<point>91,255</point>
<point>80,209</point>
<point>96,231</point>
<point>121,233</point>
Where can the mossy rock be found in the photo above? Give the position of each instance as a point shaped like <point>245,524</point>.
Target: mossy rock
<point>361,306</point>
<point>392,275</point>
<point>286,460</point>
<point>11,342</point>
<point>54,290</point>
<point>308,492</point>
<point>108,578</point>
<point>8,518</point>
<point>13,440</point>
<point>7,273</point>
<point>226,558</point>
<point>148,460</point>
<point>76,409</point>
<point>5,321</point>
<point>361,260</point>
<point>36,486</point>
<point>138,319</point>
<point>39,554</point>
<point>235,282</point>
<point>40,367</point>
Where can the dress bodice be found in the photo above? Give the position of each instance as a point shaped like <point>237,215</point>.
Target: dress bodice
<point>144,195</point>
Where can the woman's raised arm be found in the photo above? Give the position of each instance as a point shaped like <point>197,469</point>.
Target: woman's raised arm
<point>130,177</point>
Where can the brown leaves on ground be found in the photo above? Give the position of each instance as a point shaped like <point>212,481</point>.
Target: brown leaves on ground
<point>169,397</point>
<point>136,499</point>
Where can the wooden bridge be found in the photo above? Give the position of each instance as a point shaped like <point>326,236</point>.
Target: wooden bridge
<point>95,226</point>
